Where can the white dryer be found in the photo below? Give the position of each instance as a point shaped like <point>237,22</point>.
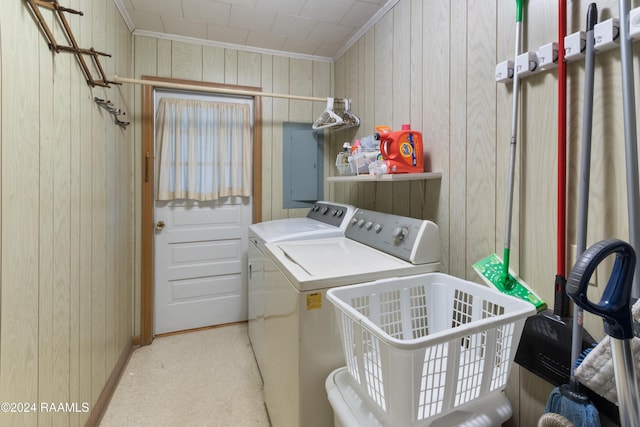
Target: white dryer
<point>324,219</point>
<point>302,340</point>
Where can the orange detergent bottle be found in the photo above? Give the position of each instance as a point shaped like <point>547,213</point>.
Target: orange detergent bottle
<point>402,150</point>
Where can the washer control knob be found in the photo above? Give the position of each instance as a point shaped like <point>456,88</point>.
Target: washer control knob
<point>369,225</point>
<point>399,233</point>
<point>354,221</point>
<point>334,212</point>
<point>339,213</point>
<point>361,223</point>
<point>325,210</point>
<point>378,228</point>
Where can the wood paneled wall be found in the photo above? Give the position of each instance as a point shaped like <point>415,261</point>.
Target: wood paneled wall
<point>431,63</point>
<point>66,215</point>
<point>69,213</point>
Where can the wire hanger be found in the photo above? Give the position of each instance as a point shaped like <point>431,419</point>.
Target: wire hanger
<point>328,118</point>
<point>342,107</point>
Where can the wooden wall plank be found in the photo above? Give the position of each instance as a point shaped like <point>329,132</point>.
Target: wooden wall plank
<point>415,97</point>
<point>61,233</point>
<point>164,58</point>
<point>401,92</point>
<point>99,371</point>
<point>75,166</point>
<point>85,227</point>
<point>20,212</point>
<point>281,70</point>
<point>480,138</point>
<point>213,64</point>
<point>46,191</point>
<point>383,84</point>
<point>367,109</point>
<point>436,109</point>
<point>249,68</point>
<point>267,138</point>
<point>186,61</point>
<point>112,349</point>
<point>126,217</point>
<point>321,87</point>
<point>231,66</point>
<point>458,258</point>
<point>299,72</point>
<point>352,77</point>
<point>336,141</point>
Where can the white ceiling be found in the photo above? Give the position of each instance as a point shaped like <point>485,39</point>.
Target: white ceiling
<point>320,29</point>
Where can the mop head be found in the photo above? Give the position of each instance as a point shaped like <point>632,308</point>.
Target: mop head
<point>596,370</point>
<point>491,271</point>
<point>574,406</point>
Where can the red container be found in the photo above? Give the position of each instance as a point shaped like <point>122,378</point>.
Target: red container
<point>402,150</point>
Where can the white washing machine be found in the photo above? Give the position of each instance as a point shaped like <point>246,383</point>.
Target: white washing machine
<point>324,219</point>
<point>302,338</point>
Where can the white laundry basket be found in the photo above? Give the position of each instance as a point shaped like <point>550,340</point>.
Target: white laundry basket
<point>417,347</point>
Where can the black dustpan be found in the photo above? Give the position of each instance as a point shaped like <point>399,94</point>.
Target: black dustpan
<point>545,346</point>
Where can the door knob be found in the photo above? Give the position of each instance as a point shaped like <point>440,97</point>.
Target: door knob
<point>160,225</point>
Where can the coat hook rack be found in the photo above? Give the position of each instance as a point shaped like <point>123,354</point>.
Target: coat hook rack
<point>115,112</point>
<point>80,53</point>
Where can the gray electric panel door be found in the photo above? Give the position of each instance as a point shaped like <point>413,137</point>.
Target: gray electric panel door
<point>302,174</point>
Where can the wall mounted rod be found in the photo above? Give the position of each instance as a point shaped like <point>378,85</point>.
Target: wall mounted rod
<point>180,86</point>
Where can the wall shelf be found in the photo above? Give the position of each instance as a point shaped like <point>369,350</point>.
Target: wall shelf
<point>386,177</point>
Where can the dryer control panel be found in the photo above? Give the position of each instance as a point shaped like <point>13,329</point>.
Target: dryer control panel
<point>331,213</point>
<point>414,240</point>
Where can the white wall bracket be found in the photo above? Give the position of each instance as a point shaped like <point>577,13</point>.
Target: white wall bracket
<point>607,37</point>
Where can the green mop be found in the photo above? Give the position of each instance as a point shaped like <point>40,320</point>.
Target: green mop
<point>494,271</point>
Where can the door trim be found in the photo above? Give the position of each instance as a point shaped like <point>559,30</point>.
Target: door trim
<point>147,198</point>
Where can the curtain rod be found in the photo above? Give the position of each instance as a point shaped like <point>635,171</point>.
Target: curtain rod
<point>181,86</point>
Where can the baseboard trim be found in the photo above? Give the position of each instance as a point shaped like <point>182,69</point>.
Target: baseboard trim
<point>110,387</point>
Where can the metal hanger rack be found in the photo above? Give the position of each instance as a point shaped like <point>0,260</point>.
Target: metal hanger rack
<point>115,112</point>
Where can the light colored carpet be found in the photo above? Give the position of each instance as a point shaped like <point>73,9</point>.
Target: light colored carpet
<point>202,378</point>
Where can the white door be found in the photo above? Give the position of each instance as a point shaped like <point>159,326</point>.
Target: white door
<point>200,263</point>
<point>200,254</point>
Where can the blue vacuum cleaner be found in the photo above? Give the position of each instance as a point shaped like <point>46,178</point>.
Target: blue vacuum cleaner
<point>615,309</point>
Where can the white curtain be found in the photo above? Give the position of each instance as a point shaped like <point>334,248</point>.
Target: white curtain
<point>205,149</point>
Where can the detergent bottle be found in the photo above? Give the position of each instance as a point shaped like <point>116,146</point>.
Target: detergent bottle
<point>401,150</point>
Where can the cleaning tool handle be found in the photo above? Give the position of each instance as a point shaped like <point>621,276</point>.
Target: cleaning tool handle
<point>519,8</point>
<point>592,16</point>
<point>614,306</point>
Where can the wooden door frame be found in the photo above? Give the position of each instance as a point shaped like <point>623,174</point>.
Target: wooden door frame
<point>147,189</point>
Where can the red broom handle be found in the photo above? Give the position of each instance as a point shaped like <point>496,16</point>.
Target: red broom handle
<point>562,140</point>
